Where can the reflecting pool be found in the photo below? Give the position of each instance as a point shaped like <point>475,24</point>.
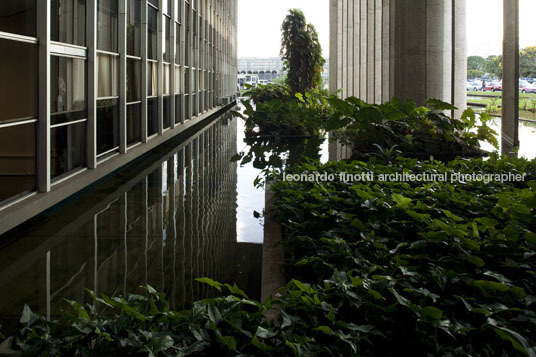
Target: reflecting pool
<point>182,211</point>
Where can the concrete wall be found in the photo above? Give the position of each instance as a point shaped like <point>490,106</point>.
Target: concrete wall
<point>399,48</point>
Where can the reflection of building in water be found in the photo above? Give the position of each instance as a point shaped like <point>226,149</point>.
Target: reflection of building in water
<point>163,222</point>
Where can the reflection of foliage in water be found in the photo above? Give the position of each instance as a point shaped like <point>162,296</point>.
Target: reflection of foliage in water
<point>276,153</point>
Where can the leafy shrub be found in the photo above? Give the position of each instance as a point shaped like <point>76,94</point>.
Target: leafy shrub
<point>303,114</point>
<point>414,131</point>
<point>433,268</point>
<point>266,93</point>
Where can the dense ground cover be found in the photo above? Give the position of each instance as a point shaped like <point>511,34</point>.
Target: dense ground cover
<point>435,268</point>
<point>375,268</point>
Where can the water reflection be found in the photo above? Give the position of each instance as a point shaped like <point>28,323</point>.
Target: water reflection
<point>167,219</point>
<point>527,134</point>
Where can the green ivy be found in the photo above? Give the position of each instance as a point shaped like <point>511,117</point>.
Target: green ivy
<point>435,268</point>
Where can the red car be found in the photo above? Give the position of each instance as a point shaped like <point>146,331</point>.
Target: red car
<point>493,86</point>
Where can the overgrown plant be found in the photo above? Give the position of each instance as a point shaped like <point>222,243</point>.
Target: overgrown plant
<point>431,267</point>
<point>415,131</point>
<point>301,53</point>
<point>304,114</point>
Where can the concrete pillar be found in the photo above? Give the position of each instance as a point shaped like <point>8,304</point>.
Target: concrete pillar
<point>510,100</point>
<point>403,48</point>
<point>408,49</point>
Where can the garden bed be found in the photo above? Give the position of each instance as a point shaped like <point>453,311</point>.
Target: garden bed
<point>430,268</point>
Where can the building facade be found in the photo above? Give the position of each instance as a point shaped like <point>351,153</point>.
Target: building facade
<point>89,85</point>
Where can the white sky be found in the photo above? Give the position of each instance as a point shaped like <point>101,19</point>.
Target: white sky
<point>259,25</point>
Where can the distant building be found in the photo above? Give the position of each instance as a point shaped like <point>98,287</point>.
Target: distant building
<point>269,67</point>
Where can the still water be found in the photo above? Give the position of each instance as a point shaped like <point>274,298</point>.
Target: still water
<point>181,212</point>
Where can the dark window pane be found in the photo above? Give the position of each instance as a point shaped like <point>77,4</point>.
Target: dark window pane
<point>166,37</point>
<point>133,123</point>
<point>108,75</point>
<point>133,80</point>
<point>67,148</point>
<point>178,46</point>
<point>18,80</point>
<point>107,25</point>
<point>107,125</point>
<point>68,21</point>
<point>17,160</point>
<point>61,118</point>
<point>167,111</point>
<point>187,114</point>
<point>178,79</point>
<point>187,42</point>
<point>154,2</point>
<point>152,80</point>
<point>18,16</point>
<point>187,88</point>
<point>152,31</point>
<point>134,28</point>
<point>152,116</point>
<point>178,109</point>
<point>67,89</point>
<point>178,9</point>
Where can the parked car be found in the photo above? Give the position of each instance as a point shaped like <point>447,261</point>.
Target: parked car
<point>473,85</point>
<point>493,87</point>
<point>530,89</point>
<point>523,85</point>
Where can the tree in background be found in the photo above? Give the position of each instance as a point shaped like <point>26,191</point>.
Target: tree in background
<point>527,62</point>
<point>301,53</point>
<point>475,73</point>
<point>494,66</point>
<point>475,63</point>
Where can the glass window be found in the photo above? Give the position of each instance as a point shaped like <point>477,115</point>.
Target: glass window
<point>152,116</point>
<point>68,21</point>
<point>107,25</point>
<point>154,2</point>
<point>178,9</point>
<point>187,107</point>
<point>167,83</point>
<point>18,16</point>
<point>18,80</point>
<point>178,109</point>
<point>17,160</point>
<point>187,88</point>
<point>67,89</point>
<point>152,32</point>
<point>178,79</point>
<point>108,75</point>
<point>152,79</point>
<point>167,111</point>
<point>166,38</point>
<point>134,28</point>
<point>166,7</point>
<point>133,123</point>
<point>178,44</point>
<point>107,125</point>
<point>67,148</point>
<point>133,80</point>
